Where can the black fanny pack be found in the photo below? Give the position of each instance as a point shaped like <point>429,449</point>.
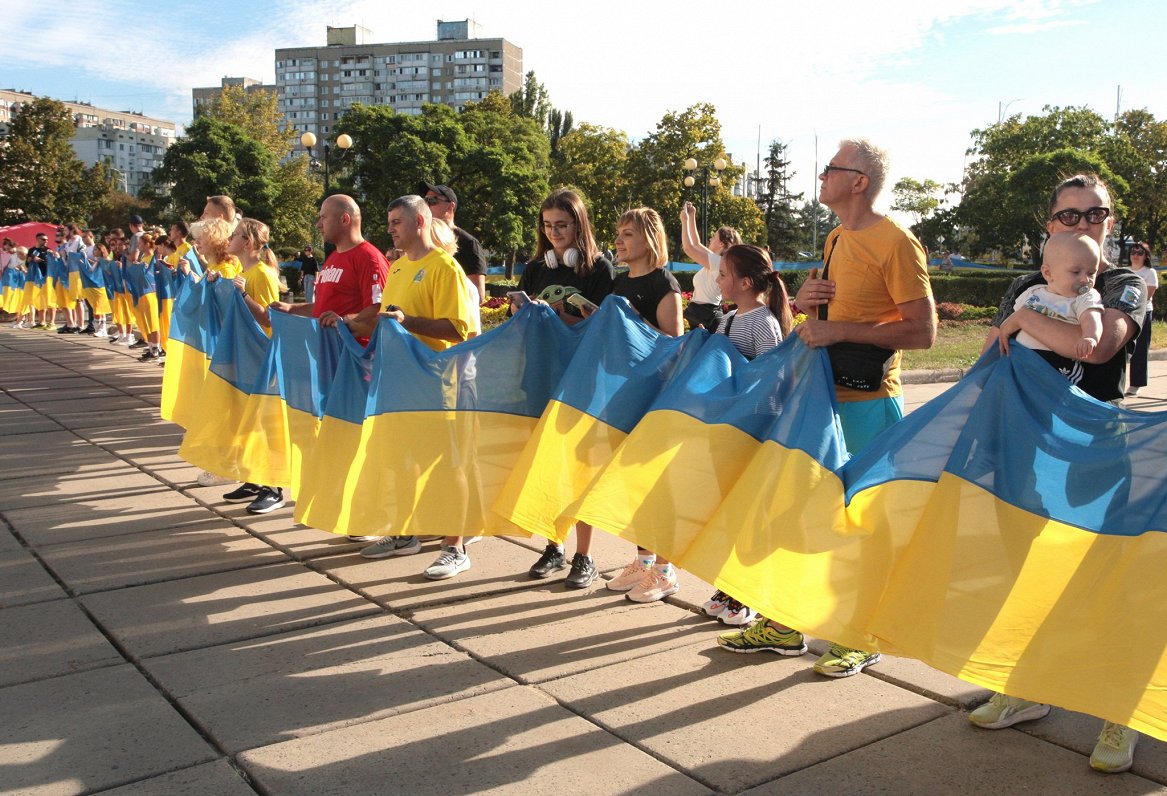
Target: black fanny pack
<point>858,366</point>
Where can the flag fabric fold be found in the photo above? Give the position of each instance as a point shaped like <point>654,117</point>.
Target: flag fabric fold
<point>1009,532</point>
<point>1031,519</point>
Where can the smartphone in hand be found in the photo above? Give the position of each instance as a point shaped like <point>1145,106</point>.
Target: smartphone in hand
<point>577,300</point>
<point>518,298</point>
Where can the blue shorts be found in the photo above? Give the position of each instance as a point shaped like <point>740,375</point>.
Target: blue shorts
<point>863,420</point>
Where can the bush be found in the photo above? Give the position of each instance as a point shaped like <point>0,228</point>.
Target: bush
<point>975,289</point>
<point>950,311</point>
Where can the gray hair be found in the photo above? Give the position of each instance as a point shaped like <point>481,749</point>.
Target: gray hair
<point>874,161</point>
<point>413,203</point>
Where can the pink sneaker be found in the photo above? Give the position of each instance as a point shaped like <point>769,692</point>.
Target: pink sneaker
<point>655,586</point>
<point>632,574</point>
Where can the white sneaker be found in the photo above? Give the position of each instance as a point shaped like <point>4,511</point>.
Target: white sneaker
<point>210,479</point>
<point>716,604</point>
<point>101,333</point>
<point>451,562</point>
<point>1004,711</point>
<point>389,546</point>
<point>736,614</point>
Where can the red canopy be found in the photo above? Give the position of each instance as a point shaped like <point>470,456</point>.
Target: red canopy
<point>25,234</point>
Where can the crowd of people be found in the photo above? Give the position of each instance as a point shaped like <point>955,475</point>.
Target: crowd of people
<point>871,301</point>
<point>121,287</point>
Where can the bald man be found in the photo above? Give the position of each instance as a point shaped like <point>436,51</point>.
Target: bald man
<point>353,276</point>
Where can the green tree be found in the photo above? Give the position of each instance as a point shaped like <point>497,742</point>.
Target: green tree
<point>922,201</point>
<point>559,124</point>
<point>237,146</point>
<point>257,113</point>
<point>1139,155</point>
<point>532,100</point>
<point>293,203</point>
<point>593,161</point>
<point>503,176</point>
<point>392,153</point>
<point>218,157</point>
<point>1031,184</point>
<point>42,178</point>
<point>992,213</point>
<point>495,160</point>
<point>815,221</point>
<point>778,204</point>
<point>656,172</point>
<point>918,199</point>
<point>116,208</point>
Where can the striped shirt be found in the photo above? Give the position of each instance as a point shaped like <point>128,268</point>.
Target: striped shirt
<point>752,333</point>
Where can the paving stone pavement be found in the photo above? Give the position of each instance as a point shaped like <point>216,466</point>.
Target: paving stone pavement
<point>154,640</point>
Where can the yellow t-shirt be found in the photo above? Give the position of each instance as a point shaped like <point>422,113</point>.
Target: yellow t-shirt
<point>432,287</point>
<point>228,269</point>
<point>875,269</point>
<point>261,283</point>
<point>176,255</point>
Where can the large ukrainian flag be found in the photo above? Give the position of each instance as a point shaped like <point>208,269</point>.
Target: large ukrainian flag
<point>619,367</point>
<point>345,373</point>
<point>731,473</point>
<point>1035,545</point>
<point>240,431</point>
<point>194,329</point>
<point>424,442</point>
<point>92,284</point>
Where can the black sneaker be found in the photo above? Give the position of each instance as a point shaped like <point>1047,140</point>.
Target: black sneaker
<point>243,494</point>
<point>148,355</point>
<point>89,330</point>
<point>269,499</point>
<point>65,330</point>
<point>552,560</point>
<point>583,572</point>
<point>139,344</point>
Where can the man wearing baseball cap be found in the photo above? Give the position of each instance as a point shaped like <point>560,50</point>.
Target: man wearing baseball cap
<point>470,255</point>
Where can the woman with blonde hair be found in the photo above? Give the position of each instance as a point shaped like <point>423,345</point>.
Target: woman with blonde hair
<point>211,238</point>
<point>654,293</point>
<point>260,285</point>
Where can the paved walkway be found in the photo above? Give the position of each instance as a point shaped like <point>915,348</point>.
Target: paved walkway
<point>156,641</point>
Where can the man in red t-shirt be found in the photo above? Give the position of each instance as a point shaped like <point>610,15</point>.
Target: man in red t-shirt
<point>352,277</point>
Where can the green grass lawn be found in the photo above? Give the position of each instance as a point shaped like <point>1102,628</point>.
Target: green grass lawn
<point>958,345</point>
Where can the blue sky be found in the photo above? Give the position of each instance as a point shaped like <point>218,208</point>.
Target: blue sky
<point>914,75</point>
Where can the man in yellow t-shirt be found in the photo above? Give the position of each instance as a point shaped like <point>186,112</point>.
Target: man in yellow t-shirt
<point>427,292</point>
<point>876,291</point>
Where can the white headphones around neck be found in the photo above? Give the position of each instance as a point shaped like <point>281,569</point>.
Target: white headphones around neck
<point>571,258</point>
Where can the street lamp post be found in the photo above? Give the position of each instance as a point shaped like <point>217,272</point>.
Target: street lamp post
<point>718,166</point>
<point>344,141</point>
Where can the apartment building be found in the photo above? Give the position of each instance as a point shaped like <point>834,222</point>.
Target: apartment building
<point>206,95</point>
<point>130,143</point>
<point>316,85</point>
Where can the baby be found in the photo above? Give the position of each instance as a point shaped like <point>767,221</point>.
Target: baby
<point>1069,264</point>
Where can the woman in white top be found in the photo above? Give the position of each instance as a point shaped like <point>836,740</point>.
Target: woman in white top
<point>705,307</point>
<point>1141,264</point>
